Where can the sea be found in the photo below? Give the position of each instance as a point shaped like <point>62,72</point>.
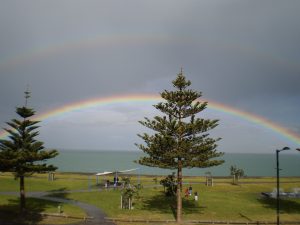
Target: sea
<point>254,165</point>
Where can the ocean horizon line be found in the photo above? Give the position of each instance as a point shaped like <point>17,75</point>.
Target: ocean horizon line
<point>253,164</point>
<point>138,151</point>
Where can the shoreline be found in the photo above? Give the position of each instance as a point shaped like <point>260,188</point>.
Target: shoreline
<point>162,175</point>
<point>254,165</point>
<point>159,175</point>
<point>91,177</point>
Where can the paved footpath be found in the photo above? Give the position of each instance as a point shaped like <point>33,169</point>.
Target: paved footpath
<point>98,216</point>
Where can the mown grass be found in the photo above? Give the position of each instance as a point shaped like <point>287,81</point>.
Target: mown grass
<point>222,202</point>
<point>9,204</point>
<point>40,182</point>
<point>10,212</point>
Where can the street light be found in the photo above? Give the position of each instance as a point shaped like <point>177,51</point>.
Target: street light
<point>277,168</point>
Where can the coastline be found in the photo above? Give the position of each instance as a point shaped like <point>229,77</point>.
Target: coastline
<point>260,165</point>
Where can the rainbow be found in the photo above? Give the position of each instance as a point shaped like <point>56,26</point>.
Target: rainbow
<point>143,98</point>
<point>104,40</point>
<point>37,52</point>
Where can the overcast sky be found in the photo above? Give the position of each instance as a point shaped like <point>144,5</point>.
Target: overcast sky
<point>244,54</point>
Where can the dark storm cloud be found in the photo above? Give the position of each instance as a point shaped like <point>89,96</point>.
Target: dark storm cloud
<point>247,45</point>
<point>242,53</point>
<point>244,47</point>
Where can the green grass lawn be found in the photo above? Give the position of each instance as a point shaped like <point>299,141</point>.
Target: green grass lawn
<point>9,204</point>
<point>39,182</point>
<point>222,202</point>
<point>9,211</point>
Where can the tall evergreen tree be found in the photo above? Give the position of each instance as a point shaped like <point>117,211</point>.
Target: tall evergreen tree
<point>21,153</point>
<point>180,140</point>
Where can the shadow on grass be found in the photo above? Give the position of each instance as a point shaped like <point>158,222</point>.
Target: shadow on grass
<point>10,213</point>
<point>286,205</point>
<point>245,217</point>
<point>168,205</point>
<point>59,193</point>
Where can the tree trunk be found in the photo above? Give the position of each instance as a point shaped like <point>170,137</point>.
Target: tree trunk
<point>179,199</point>
<point>22,193</point>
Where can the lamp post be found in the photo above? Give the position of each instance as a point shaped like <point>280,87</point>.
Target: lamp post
<point>277,169</point>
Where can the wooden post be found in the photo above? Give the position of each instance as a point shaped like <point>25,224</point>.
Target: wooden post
<point>121,201</point>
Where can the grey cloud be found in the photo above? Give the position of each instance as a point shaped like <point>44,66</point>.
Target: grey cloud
<point>241,53</point>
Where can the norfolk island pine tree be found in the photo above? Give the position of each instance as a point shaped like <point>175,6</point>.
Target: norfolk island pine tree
<point>180,139</point>
<point>21,153</point>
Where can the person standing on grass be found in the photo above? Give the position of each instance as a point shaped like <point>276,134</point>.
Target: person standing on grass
<point>190,190</point>
<point>186,192</point>
<point>196,196</point>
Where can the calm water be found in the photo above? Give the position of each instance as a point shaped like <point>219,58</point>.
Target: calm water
<point>100,161</point>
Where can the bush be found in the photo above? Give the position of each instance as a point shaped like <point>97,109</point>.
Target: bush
<point>169,185</point>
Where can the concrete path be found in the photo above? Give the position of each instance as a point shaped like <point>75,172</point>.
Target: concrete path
<point>98,216</point>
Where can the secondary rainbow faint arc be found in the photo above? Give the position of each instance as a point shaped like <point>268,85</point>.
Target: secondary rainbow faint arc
<point>38,52</point>
<point>96,102</point>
